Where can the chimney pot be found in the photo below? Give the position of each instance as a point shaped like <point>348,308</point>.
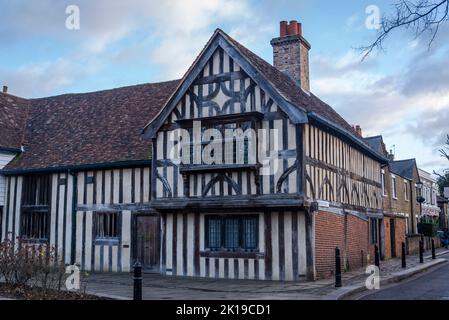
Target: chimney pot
<point>358,130</point>
<point>283,28</point>
<point>300,29</point>
<point>292,28</point>
<point>5,89</point>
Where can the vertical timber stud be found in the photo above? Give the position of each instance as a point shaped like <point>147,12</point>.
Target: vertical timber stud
<point>300,162</point>
<point>153,168</point>
<point>404,262</point>
<point>137,295</point>
<point>310,244</point>
<point>337,268</point>
<point>74,204</point>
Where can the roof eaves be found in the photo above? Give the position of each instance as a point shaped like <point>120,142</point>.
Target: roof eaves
<point>348,135</point>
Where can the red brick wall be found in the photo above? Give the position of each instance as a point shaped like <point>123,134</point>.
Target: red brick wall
<point>329,233</point>
<point>399,235</point>
<point>357,241</point>
<point>330,230</point>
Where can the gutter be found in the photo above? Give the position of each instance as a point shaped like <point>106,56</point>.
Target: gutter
<point>103,165</point>
<point>10,150</point>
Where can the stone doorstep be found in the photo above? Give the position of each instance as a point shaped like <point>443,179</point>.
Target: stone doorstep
<point>395,277</point>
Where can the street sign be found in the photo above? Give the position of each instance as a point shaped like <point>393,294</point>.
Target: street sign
<point>446,192</point>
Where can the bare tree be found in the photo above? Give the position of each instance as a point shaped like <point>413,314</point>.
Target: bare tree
<point>418,16</point>
<point>443,179</point>
<point>444,151</point>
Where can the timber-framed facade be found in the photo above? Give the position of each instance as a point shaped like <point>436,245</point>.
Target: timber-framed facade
<point>182,207</point>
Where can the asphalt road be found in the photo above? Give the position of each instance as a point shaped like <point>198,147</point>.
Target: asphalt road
<point>433,285</point>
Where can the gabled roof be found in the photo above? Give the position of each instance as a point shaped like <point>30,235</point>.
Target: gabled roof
<point>13,116</point>
<point>101,128</point>
<point>90,128</point>
<point>297,104</point>
<point>375,143</point>
<point>404,168</point>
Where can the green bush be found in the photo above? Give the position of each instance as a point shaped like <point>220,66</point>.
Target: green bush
<point>428,229</point>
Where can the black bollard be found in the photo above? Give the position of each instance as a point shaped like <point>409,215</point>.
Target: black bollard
<point>421,252</point>
<point>433,250</point>
<point>137,281</point>
<point>404,262</point>
<point>376,256</point>
<point>337,268</point>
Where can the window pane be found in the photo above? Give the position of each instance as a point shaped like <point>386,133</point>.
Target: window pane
<point>34,225</point>
<point>232,233</point>
<point>107,225</point>
<point>214,233</point>
<point>250,233</point>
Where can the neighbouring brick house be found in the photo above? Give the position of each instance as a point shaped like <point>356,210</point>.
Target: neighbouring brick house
<point>106,187</point>
<point>429,208</point>
<point>399,193</point>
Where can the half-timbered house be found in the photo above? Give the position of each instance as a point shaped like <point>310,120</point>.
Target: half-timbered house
<point>235,171</point>
<point>227,218</point>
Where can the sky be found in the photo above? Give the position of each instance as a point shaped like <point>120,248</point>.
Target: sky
<point>401,92</point>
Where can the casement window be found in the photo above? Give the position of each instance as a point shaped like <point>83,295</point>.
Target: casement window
<point>35,225</point>
<point>405,190</point>
<point>393,187</point>
<point>232,233</point>
<point>382,179</point>
<point>35,213</point>
<point>107,225</point>
<point>373,230</point>
<point>231,146</point>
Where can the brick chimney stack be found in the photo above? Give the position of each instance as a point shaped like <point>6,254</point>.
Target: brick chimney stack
<point>358,130</point>
<point>291,53</point>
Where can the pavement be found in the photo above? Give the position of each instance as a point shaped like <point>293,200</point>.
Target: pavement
<point>160,287</point>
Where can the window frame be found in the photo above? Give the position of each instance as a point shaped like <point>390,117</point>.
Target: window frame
<point>406,197</point>
<point>223,233</point>
<point>34,213</point>
<point>382,181</point>
<point>394,192</point>
<point>35,201</point>
<point>118,227</point>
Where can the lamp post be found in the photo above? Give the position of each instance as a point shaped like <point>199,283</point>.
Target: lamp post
<point>419,198</point>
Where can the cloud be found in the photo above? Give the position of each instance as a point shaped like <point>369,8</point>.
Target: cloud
<point>408,104</point>
<point>167,35</point>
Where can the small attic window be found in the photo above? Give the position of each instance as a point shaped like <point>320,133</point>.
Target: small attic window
<point>90,180</point>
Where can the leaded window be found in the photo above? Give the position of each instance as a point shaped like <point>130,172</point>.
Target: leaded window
<point>232,233</point>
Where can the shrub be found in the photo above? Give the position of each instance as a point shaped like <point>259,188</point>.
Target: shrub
<point>429,229</point>
<point>31,265</point>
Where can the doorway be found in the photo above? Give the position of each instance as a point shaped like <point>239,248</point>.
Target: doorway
<point>393,238</point>
<point>147,241</point>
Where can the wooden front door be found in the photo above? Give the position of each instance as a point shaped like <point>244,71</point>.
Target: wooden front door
<point>148,241</point>
<point>393,238</point>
